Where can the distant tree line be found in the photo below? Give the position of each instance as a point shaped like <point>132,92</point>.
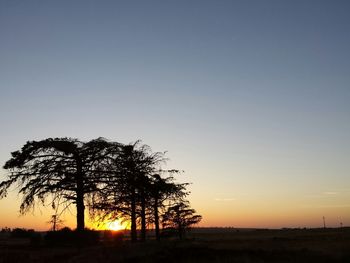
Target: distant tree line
<point>112,180</point>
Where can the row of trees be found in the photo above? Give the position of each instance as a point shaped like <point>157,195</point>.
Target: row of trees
<point>111,179</point>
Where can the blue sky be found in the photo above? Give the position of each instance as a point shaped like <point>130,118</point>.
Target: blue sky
<point>250,98</point>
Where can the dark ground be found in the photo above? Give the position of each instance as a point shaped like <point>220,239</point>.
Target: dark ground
<point>202,245</point>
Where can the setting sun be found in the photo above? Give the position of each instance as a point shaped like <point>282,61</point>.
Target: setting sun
<point>115,225</point>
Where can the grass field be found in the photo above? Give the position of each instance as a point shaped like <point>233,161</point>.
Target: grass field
<point>201,245</point>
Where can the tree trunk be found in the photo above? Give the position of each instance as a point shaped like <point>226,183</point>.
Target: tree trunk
<point>156,218</point>
<point>179,224</point>
<point>180,231</point>
<point>133,217</point>
<point>143,217</point>
<point>54,218</point>
<point>80,197</point>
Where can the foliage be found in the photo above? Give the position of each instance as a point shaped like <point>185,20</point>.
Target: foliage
<point>180,217</point>
<point>22,233</point>
<point>66,236</point>
<point>113,180</point>
<point>62,169</point>
<point>135,189</point>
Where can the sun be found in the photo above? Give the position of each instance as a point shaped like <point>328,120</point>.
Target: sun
<point>115,225</point>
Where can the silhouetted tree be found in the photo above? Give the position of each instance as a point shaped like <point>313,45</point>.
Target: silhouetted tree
<point>55,222</point>
<point>164,190</point>
<point>133,190</point>
<point>180,217</point>
<point>60,168</point>
<point>113,180</point>
<point>125,191</point>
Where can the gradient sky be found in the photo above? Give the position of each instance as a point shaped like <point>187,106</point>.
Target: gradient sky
<point>250,98</point>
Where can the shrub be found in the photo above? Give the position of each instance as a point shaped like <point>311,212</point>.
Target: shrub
<point>66,236</point>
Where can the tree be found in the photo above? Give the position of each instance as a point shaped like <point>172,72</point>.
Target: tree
<point>55,222</point>
<point>113,180</point>
<point>60,168</point>
<point>180,217</point>
<point>162,190</point>
<point>126,190</point>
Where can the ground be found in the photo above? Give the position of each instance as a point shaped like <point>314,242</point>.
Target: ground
<point>201,245</point>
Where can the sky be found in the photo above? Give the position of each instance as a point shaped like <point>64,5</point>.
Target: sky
<point>249,98</point>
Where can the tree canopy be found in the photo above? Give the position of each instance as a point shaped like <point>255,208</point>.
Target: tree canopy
<point>180,217</point>
<point>112,179</point>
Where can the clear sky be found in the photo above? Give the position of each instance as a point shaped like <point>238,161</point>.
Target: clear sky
<point>250,98</point>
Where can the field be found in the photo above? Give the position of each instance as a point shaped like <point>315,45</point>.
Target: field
<point>201,245</point>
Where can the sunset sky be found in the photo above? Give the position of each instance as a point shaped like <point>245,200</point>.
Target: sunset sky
<point>250,98</point>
